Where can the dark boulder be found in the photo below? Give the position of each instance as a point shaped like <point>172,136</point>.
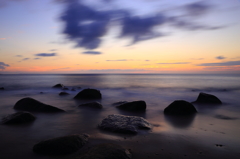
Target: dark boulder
<point>61,145</point>
<point>92,105</point>
<point>124,124</point>
<point>107,151</point>
<point>1,88</point>
<point>58,86</point>
<point>63,93</point>
<point>89,94</point>
<point>133,106</point>
<point>30,104</point>
<point>204,98</point>
<point>180,107</point>
<point>18,118</point>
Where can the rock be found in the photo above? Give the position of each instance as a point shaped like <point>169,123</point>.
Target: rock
<point>18,118</point>
<point>65,88</point>
<point>180,107</point>
<point>30,104</point>
<point>58,86</point>
<point>107,151</point>
<point>92,105</point>
<point>63,93</point>
<point>133,106</point>
<point>73,89</point>
<point>124,124</point>
<point>61,145</point>
<point>89,94</point>
<point>204,98</point>
<point>2,88</point>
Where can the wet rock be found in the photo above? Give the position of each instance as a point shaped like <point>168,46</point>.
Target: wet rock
<point>204,98</point>
<point>30,104</point>
<point>58,86</point>
<point>107,151</point>
<point>2,88</point>
<point>89,94</point>
<point>61,145</point>
<point>63,93</point>
<point>73,89</point>
<point>92,105</point>
<point>65,88</point>
<point>18,118</point>
<point>180,107</point>
<point>133,106</point>
<point>124,124</point>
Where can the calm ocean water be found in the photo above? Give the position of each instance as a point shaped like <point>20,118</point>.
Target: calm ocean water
<point>157,90</point>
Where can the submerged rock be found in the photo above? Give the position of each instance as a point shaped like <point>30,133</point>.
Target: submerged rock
<point>133,106</point>
<point>18,118</point>
<point>30,104</point>
<point>58,86</point>
<point>61,145</point>
<point>63,93</point>
<point>89,94</point>
<point>1,88</point>
<point>180,107</point>
<point>124,124</point>
<point>92,105</point>
<point>119,103</point>
<point>107,151</point>
<point>204,98</point>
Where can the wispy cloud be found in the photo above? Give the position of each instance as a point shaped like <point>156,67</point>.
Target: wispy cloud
<point>118,60</point>
<point>37,58</point>
<point>52,50</point>
<point>85,25</point>
<point>3,65</point>
<point>3,38</point>
<point>92,52</point>
<point>19,56</point>
<point>25,59</point>
<point>174,63</point>
<point>46,54</point>
<point>220,57</point>
<point>229,63</point>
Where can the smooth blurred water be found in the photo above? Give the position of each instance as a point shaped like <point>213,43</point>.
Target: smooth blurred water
<point>157,90</point>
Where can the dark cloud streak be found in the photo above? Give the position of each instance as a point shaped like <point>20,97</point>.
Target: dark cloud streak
<point>229,63</point>
<point>46,54</point>
<point>3,65</point>
<point>92,52</point>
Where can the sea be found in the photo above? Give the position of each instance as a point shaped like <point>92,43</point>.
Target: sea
<point>213,126</point>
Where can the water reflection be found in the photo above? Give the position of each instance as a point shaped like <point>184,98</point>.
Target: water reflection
<point>180,121</point>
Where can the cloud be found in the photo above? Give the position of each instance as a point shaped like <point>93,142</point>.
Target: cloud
<point>3,38</point>
<point>19,56</point>
<point>25,59</point>
<point>220,57</point>
<point>92,52</point>
<point>46,54</point>
<point>197,8</point>
<point>37,58</point>
<point>229,63</point>
<point>53,50</point>
<point>3,65</point>
<point>118,60</point>
<point>85,26</point>
<point>175,63</point>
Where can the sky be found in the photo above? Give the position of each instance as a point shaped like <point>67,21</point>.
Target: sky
<point>120,36</point>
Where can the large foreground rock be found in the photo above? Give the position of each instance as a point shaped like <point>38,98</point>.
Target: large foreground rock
<point>18,118</point>
<point>92,105</point>
<point>180,107</point>
<point>89,94</point>
<point>107,151</point>
<point>124,124</point>
<point>133,106</point>
<point>204,98</point>
<point>30,104</point>
<point>61,145</point>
